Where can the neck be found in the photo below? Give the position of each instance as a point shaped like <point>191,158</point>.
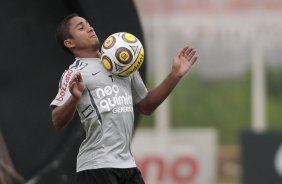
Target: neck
<point>92,54</point>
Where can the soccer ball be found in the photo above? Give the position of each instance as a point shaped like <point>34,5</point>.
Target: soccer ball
<point>122,54</point>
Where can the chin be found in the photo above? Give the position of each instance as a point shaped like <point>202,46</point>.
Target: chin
<point>96,45</point>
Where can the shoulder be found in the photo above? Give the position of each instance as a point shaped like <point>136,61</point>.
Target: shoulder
<point>66,77</point>
<point>78,64</point>
<point>70,72</point>
<point>136,76</point>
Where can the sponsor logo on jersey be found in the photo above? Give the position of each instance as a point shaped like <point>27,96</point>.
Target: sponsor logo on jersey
<point>87,111</point>
<point>111,99</point>
<point>64,86</point>
<point>93,74</point>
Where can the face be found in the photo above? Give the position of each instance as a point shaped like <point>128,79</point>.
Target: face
<point>83,35</point>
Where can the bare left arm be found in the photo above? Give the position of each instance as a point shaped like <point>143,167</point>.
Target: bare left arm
<point>182,63</point>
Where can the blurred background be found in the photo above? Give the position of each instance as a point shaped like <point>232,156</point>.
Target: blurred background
<point>221,125</point>
<point>232,98</point>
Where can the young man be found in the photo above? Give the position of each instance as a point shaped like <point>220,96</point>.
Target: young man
<point>105,104</point>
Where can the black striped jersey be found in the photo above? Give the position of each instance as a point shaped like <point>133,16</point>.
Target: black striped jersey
<point>106,113</point>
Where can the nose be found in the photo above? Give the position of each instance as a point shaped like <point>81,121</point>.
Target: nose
<point>90,29</point>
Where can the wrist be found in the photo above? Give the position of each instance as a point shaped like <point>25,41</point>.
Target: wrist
<point>175,76</point>
<point>74,99</point>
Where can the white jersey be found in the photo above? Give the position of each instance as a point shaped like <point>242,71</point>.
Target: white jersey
<point>106,112</point>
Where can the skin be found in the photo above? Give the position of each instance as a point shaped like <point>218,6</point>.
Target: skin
<point>85,44</point>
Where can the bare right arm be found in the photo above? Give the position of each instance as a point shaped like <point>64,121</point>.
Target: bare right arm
<point>62,115</point>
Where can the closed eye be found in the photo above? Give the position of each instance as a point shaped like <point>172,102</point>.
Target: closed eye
<point>80,26</point>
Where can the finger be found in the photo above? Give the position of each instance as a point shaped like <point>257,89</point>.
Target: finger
<point>73,80</point>
<point>194,59</point>
<point>71,85</point>
<point>77,77</point>
<point>191,54</point>
<point>188,50</point>
<point>181,51</point>
<point>78,74</point>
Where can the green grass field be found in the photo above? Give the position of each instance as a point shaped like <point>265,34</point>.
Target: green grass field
<point>224,104</point>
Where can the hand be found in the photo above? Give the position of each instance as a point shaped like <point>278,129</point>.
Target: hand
<point>76,86</point>
<point>183,61</point>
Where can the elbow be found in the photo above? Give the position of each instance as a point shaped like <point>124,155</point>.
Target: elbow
<point>146,112</point>
<point>145,108</point>
<point>58,127</point>
<point>57,124</point>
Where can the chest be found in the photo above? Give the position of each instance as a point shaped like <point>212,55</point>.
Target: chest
<point>103,84</point>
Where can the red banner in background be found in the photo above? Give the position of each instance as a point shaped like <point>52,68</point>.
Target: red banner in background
<point>208,5</point>
<point>178,156</point>
<point>181,169</point>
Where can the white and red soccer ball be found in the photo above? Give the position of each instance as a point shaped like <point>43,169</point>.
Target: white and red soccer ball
<point>122,54</point>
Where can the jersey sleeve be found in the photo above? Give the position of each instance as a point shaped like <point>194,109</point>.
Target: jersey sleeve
<point>63,92</point>
<point>139,90</point>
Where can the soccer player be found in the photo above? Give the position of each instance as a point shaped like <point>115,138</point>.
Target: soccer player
<point>104,103</point>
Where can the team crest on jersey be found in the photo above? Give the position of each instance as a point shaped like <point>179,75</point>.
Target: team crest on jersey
<point>79,65</point>
<point>82,65</point>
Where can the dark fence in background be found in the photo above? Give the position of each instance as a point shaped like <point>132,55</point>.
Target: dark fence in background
<point>261,157</point>
<point>31,66</point>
